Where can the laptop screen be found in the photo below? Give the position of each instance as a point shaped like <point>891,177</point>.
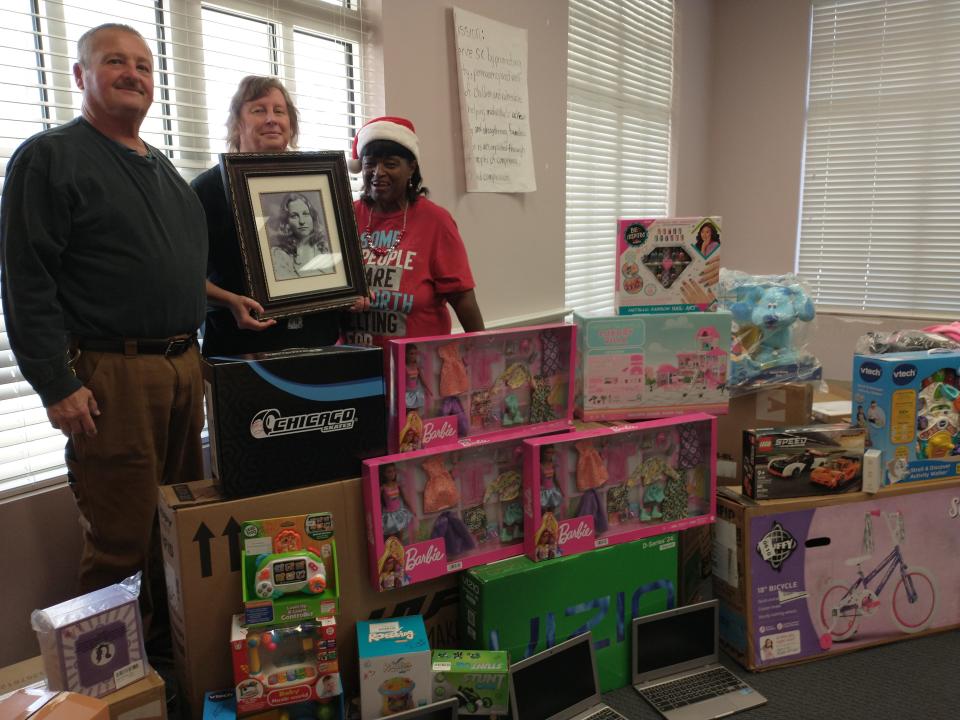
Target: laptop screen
<point>674,639</point>
<point>555,682</point>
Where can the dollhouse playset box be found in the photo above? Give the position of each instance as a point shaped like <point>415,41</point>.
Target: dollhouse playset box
<point>588,489</point>
<point>435,511</point>
<point>804,579</point>
<point>652,366</point>
<point>909,404</point>
<point>524,607</point>
<point>298,417</point>
<point>491,384</point>
<point>659,259</point>
<point>288,569</point>
<point>285,665</point>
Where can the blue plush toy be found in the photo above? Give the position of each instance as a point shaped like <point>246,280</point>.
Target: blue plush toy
<point>765,310</point>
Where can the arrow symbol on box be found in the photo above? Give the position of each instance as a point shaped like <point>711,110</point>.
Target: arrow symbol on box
<point>232,533</point>
<point>202,538</point>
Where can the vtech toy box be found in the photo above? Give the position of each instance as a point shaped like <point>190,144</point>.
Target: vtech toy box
<point>661,264</point>
<point>524,607</point>
<point>394,665</point>
<point>805,579</point>
<point>592,488</point>
<point>909,404</point>
<point>299,417</point>
<point>652,366</point>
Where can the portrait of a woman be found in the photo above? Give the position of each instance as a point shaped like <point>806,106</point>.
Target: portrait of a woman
<point>299,245</point>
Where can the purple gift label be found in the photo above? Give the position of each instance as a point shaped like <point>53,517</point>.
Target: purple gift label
<point>575,535</point>
<point>440,431</point>
<point>426,560</point>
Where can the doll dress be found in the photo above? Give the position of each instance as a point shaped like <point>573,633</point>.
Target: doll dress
<point>396,515</point>
<point>591,472</point>
<point>453,373</point>
<point>440,491</point>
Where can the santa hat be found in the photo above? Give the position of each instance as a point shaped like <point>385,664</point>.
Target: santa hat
<point>396,129</point>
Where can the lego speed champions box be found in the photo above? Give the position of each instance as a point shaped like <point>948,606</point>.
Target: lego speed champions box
<point>910,405</point>
<point>280,420</point>
<point>524,607</point>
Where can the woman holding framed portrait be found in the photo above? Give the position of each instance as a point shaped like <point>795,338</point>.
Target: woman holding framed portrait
<point>262,119</point>
<point>416,261</point>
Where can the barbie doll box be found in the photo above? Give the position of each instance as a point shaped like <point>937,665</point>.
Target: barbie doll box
<point>652,366</point>
<point>591,488</point>
<point>525,607</point>
<point>299,417</point>
<point>909,404</point>
<point>662,264</point>
<point>491,384</point>
<point>436,511</point>
<point>394,665</point>
<point>807,578</point>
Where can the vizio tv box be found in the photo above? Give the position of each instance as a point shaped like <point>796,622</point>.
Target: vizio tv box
<point>297,417</point>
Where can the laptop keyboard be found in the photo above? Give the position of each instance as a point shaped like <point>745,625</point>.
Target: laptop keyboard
<point>695,688</point>
<point>605,714</point>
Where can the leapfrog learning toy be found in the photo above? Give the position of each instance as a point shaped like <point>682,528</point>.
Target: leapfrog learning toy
<point>498,383</point>
<point>289,568</point>
<point>435,511</point>
<point>618,484</point>
<point>662,264</point>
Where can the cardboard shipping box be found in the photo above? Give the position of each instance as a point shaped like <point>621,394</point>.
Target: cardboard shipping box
<point>802,579</point>
<point>201,549</point>
<point>38,703</point>
<point>774,406</point>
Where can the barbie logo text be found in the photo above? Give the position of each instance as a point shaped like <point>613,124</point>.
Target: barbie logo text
<point>568,532</point>
<point>440,431</point>
<point>414,558</point>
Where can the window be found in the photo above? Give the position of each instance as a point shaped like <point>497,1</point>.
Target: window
<point>881,181</point>
<point>619,89</point>
<point>201,51</point>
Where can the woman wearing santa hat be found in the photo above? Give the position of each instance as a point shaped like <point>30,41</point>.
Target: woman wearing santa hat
<point>415,258</point>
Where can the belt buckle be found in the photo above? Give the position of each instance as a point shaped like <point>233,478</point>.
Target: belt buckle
<point>178,346</point>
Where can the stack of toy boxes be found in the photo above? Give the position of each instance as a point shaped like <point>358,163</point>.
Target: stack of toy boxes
<point>298,417</point>
<point>284,645</point>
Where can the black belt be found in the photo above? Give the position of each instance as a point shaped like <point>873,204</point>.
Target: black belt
<point>150,346</point>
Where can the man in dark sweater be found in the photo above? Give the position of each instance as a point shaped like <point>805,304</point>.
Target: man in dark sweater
<point>103,256</point>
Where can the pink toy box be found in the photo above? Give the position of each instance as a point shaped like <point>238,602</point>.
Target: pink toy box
<point>652,366</point>
<point>661,264</point>
<point>806,579</point>
<point>285,665</point>
<point>584,490</point>
<point>436,511</point>
<point>495,384</point>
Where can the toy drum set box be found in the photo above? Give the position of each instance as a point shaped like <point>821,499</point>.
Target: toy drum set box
<point>289,569</point>
<point>804,579</point>
<point>93,644</point>
<point>652,366</point>
<point>286,665</point>
<point>436,511</point>
<point>497,383</point>
<point>280,420</point>
<point>394,657</point>
<point>909,404</point>
<point>800,461</point>
<point>592,488</point>
<point>660,261</point>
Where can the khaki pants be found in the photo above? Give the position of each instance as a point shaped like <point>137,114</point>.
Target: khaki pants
<point>148,433</point>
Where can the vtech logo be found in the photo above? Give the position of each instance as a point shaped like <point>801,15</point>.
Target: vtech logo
<point>904,374</point>
<point>870,372</point>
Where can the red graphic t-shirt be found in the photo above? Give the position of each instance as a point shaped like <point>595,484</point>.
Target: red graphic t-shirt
<point>410,281</point>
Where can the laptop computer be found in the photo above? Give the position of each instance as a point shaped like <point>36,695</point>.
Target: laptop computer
<point>445,710</point>
<point>676,665</point>
<point>559,683</point>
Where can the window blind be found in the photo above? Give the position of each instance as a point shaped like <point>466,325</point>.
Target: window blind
<point>201,50</point>
<point>619,91</point>
<point>881,181</point>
